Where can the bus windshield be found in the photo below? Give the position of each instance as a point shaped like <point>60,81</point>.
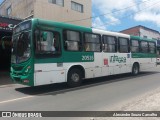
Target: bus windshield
<point>21,47</point>
<point>21,42</point>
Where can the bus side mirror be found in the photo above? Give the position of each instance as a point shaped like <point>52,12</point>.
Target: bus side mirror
<point>44,36</point>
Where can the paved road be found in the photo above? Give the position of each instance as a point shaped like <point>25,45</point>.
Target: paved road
<point>95,94</point>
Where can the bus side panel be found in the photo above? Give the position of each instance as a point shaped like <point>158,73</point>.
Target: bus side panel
<point>145,60</point>
<point>89,69</point>
<point>116,63</point>
<point>107,69</point>
<point>49,73</point>
<point>98,64</point>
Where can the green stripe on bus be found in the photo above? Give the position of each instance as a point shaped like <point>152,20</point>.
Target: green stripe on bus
<point>69,57</point>
<point>143,55</point>
<point>78,57</point>
<point>140,39</point>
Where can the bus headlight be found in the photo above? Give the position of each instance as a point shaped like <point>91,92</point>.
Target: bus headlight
<point>11,69</point>
<point>27,69</point>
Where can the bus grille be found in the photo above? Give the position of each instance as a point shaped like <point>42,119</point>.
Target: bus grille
<point>17,68</point>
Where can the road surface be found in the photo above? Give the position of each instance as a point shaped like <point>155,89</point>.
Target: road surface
<point>98,94</point>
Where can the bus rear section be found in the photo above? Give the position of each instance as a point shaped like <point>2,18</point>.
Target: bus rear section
<point>143,52</point>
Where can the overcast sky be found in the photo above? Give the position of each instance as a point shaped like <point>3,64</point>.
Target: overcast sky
<point>117,15</point>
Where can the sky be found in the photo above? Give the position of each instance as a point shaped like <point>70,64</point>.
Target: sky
<point>117,15</point>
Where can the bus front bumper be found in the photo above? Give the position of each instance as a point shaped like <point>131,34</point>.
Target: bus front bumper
<point>22,79</point>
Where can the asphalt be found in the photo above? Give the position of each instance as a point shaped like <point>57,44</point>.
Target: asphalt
<point>150,101</point>
<point>147,102</point>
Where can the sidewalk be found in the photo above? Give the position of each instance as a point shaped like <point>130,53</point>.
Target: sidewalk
<point>148,102</point>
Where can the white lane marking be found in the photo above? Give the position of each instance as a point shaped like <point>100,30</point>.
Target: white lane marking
<point>12,100</point>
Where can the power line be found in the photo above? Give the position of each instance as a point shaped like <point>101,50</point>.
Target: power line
<point>107,13</point>
<point>129,15</point>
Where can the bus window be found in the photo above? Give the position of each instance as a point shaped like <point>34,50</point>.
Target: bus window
<point>123,45</point>
<point>92,42</point>
<point>109,44</point>
<point>152,47</point>
<point>135,46</point>
<point>144,47</point>
<point>47,42</point>
<point>72,40</point>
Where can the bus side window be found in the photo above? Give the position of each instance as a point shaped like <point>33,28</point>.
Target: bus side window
<point>152,47</point>
<point>123,45</point>
<point>46,39</point>
<point>72,41</point>
<point>109,44</point>
<point>87,47</point>
<point>92,42</point>
<point>47,43</point>
<point>144,47</point>
<point>135,47</point>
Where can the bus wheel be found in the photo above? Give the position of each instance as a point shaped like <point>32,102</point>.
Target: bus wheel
<point>74,78</point>
<point>135,69</point>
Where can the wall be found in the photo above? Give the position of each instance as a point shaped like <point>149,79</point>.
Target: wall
<point>20,8</point>
<point>150,34</point>
<point>142,31</point>
<point>45,10</point>
<point>132,31</point>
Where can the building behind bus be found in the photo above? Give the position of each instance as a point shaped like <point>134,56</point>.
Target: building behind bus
<point>55,10</point>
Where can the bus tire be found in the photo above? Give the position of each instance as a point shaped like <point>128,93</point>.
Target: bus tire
<point>135,69</point>
<point>74,78</point>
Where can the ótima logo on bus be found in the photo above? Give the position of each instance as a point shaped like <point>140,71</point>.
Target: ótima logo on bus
<point>114,59</point>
